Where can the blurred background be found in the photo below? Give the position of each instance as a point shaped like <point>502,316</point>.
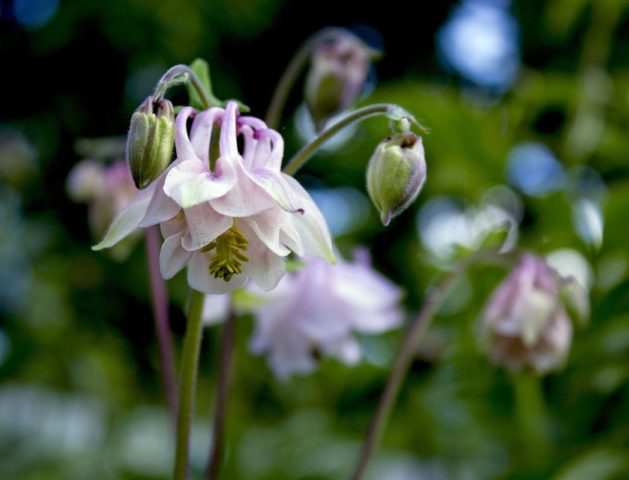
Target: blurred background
<point>528,106</point>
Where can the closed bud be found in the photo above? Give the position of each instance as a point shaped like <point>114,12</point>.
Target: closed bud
<point>337,76</point>
<point>150,140</point>
<point>525,324</point>
<point>396,174</point>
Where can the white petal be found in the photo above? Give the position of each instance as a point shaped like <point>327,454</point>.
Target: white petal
<point>204,225</point>
<point>264,267</point>
<point>190,183</point>
<point>215,309</point>
<point>311,226</point>
<point>161,208</point>
<point>200,279</point>
<point>127,220</point>
<point>278,189</point>
<point>172,257</point>
<point>266,226</point>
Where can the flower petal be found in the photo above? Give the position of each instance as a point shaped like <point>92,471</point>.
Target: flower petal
<point>200,279</point>
<point>264,267</point>
<point>182,141</point>
<point>128,219</point>
<point>161,208</point>
<point>204,225</point>
<point>311,226</point>
<point>278,189</point>
<point>190,183</point>
<point>172,257</point>
<point>228,141</point>
<point>266,226</point>
<point>201,132</point>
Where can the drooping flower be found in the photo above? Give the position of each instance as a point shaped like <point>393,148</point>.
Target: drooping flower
<point>106,190</point>
<point>525,323</point>
<point>314,312</point>
<point>229,215</point>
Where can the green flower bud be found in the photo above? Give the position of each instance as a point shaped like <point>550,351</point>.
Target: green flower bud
<point>396,174</point>
<point>150,140</point>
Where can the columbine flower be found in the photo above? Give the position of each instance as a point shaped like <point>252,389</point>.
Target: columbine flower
<point>313,312</point>
<point>228,215</point>
<point>106,189</point>
<point>525,322</point>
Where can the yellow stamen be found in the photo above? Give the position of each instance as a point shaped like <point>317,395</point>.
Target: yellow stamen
<point>228,257</point>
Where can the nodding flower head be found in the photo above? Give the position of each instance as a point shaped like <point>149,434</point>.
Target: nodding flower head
<point>337,76</point>
<point>396,174</point>
<point>525,324</point>
<point>227,212</point>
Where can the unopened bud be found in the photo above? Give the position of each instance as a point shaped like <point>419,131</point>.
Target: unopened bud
<point>337,76</point>
<point>150,141</point>
<point>525,324</point>
<point>396,174</point>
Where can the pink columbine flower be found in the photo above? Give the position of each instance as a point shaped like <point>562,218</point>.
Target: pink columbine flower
<point>229,214</point>
<point>314,311</point>
<point>525,322</point>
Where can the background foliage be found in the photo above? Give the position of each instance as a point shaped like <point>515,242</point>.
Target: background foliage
<point>80,394</point>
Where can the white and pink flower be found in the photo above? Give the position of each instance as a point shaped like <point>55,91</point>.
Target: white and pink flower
<point>228,214</point>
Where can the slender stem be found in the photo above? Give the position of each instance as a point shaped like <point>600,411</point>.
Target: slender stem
<point>220,409</point>
<point>301,157</point>
<point>532,417</point>
<point>159,298</point>
<point>402,364</point>
<point>181,74</point>
<point>187,389</point>
<point>292,71</point>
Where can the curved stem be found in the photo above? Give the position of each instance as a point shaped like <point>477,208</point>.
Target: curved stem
<point>402,364</point>
<point>292,71</point>
<point>301,157</point>
<point>187,389</point>
<point>181,74</point>
<point>220,409</point>
<point>159,298</point>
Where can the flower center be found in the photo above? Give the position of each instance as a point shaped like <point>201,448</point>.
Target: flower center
<point>229,255</point>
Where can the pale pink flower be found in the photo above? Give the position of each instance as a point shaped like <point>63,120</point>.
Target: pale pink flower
<point>525,323</point>
<point>229,206</point>
<point>314,312</point>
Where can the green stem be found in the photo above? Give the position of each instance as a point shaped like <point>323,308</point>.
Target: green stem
<point>294,67</point>
<point>406,354</point>
<point>187,389</point>
<point>301,157</point>
<point>532,417</point>
<point>182,74</point>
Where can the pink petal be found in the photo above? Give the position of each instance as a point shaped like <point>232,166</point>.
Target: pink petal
<point>183,146</point>
<point>278,189</point>
<point>161,207</point>
<point>228,142</point>
<point>266,226</point>
<point>200,279</point>
<point>201,132</point>
<point>264,267</point>
<point>172,257</point>
<point>204,225</point>
<point>190,183</point>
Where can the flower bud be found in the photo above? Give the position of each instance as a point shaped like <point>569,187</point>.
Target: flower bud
<point>525,323</point>
<point>337,76</point>
<point>150,140</point>
<point>396,174</point>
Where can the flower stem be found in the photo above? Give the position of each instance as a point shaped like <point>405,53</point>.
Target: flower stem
<point>189,366</point>
<point>159,298</point>
<point>531,415</point>
<point>182,74</point>
<point>402,364</point>
<point>301,157</point>
<point>292,71</point>
<point>220,409</point>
